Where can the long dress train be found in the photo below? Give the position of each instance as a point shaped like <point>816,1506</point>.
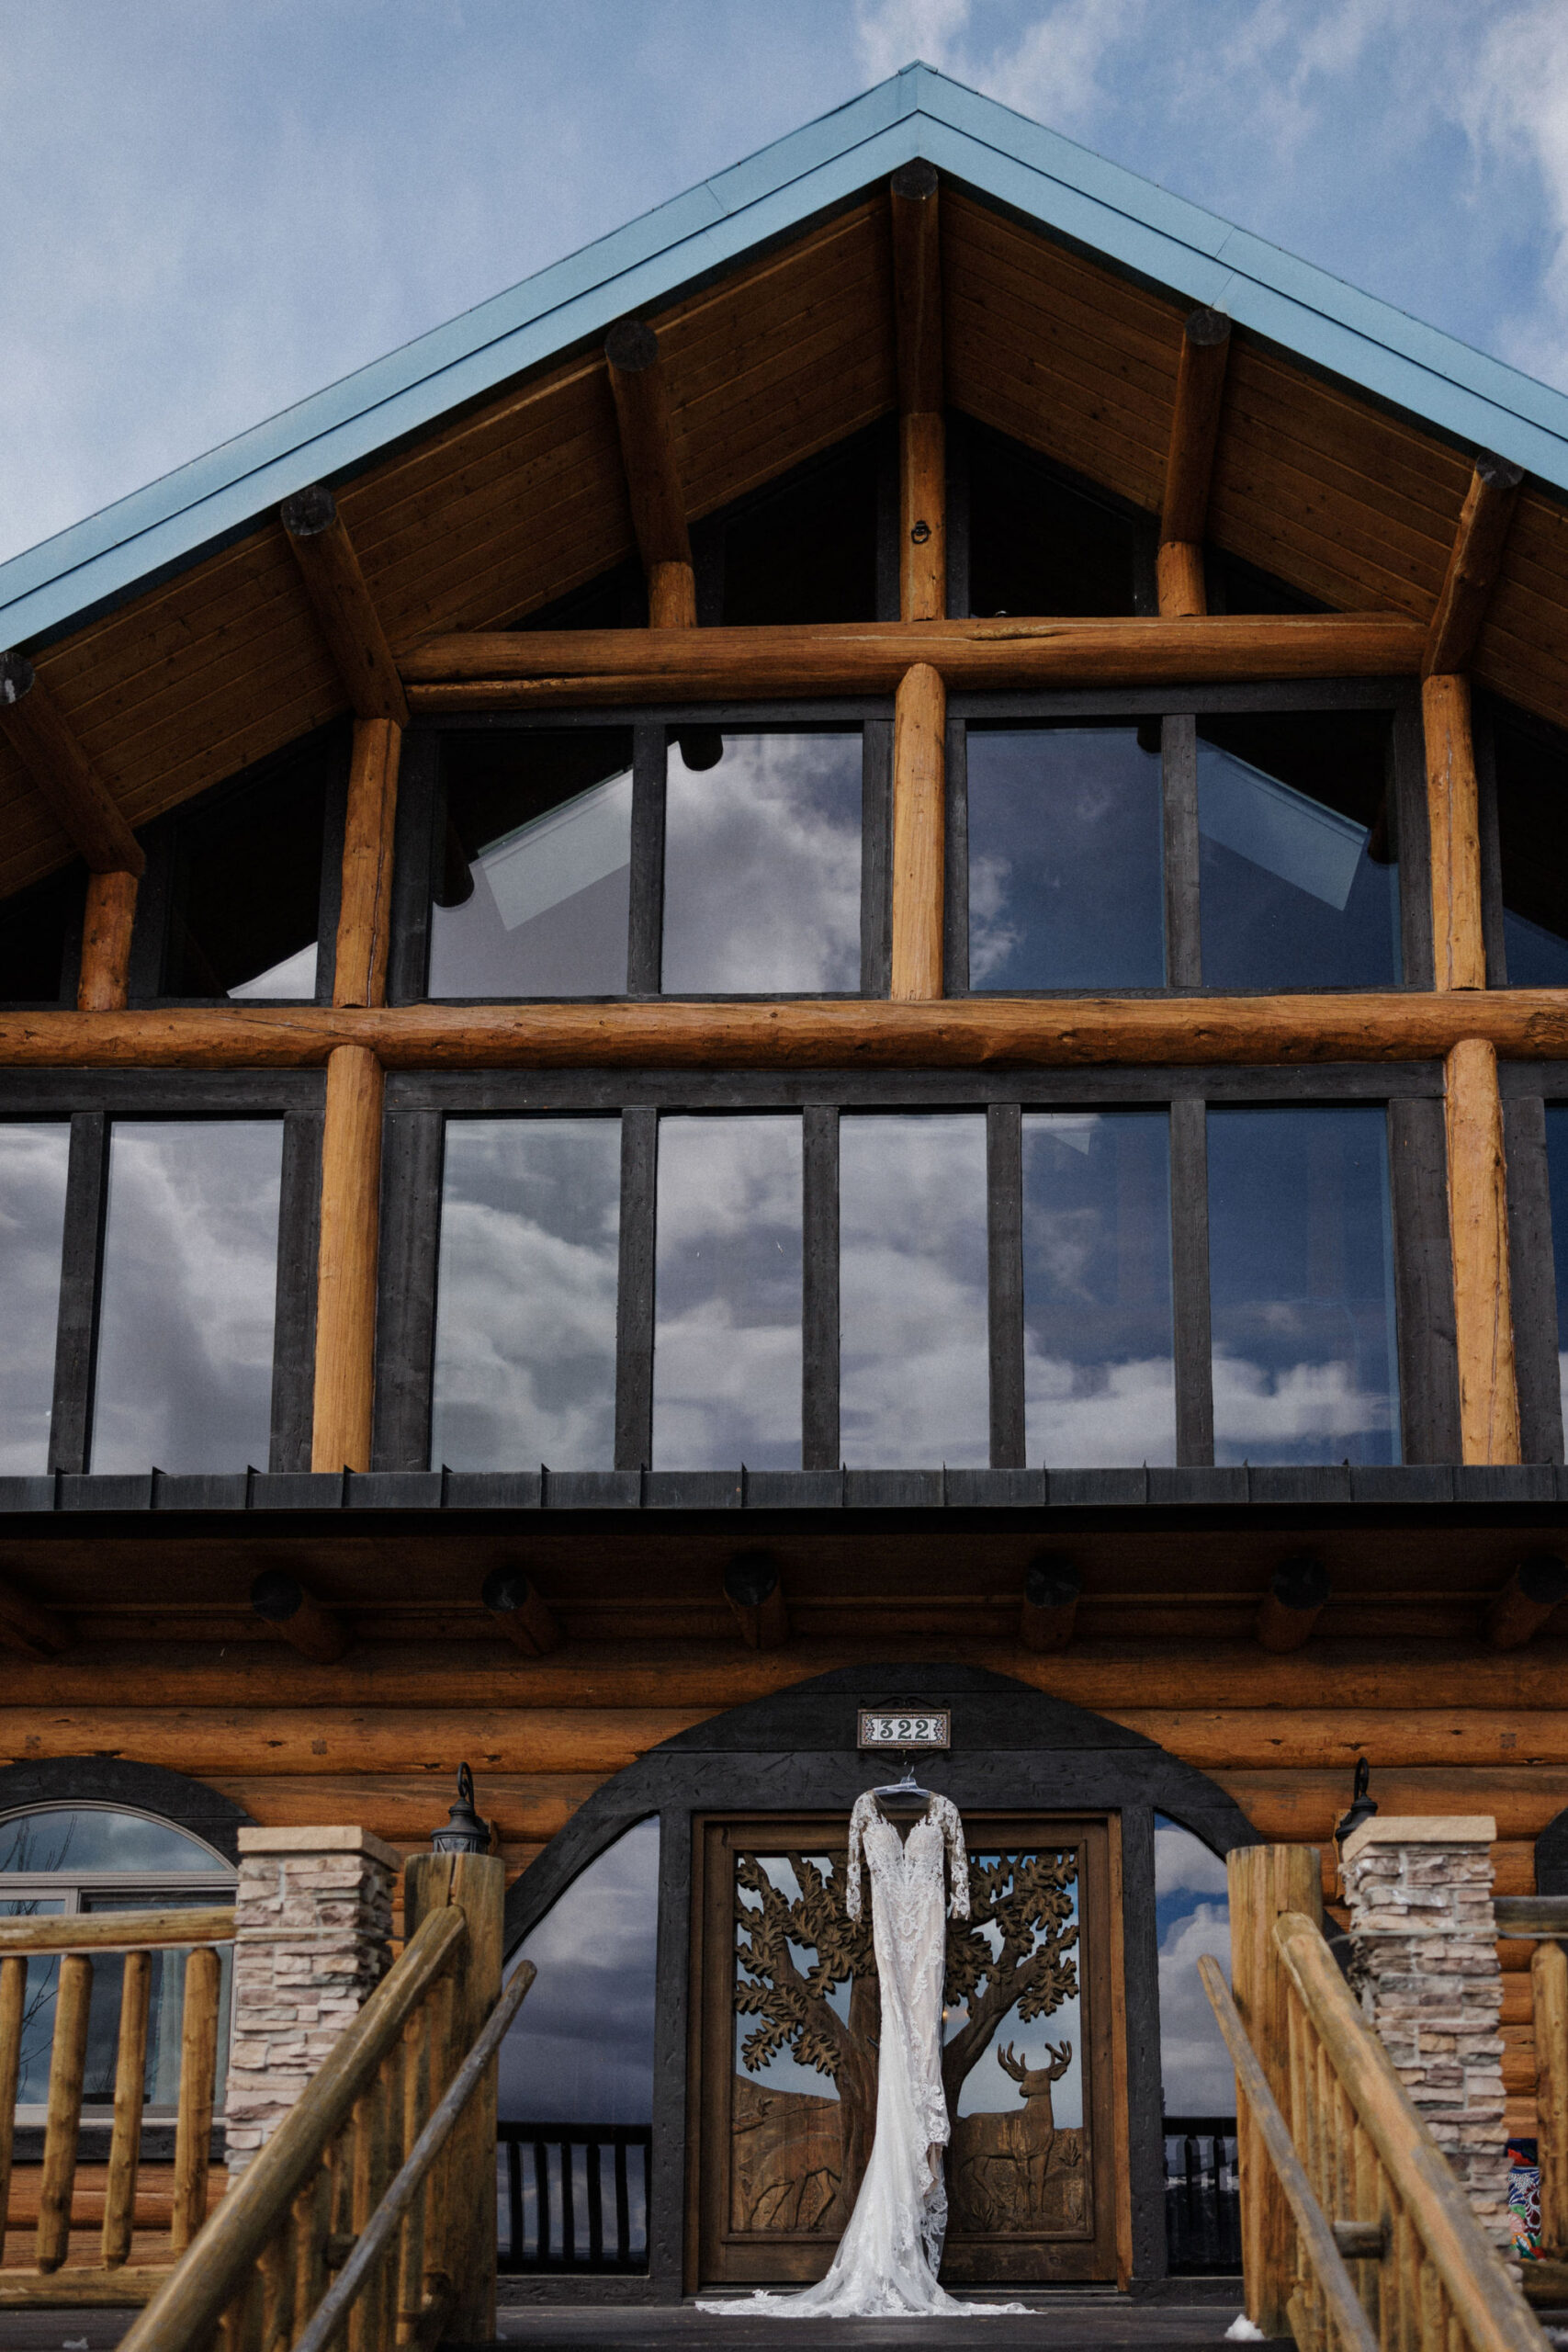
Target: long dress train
<point>886,2262</point>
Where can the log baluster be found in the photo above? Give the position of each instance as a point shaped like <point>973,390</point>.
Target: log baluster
<point>198,2076</point>
<point>67,2071</point>
<point>1548,1991</point>
<point>130,2083</point>
<point>12,2003</point>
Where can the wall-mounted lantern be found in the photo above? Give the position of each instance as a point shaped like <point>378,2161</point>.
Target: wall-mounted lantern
<point>464,1833</point>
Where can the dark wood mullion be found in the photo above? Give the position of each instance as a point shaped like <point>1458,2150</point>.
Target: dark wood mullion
<point>876,856</point>
<point>1004,1243</point>
<point>1533,1279</point>
<point>1178,763</point>
<point>1423,1281</point>
<point>634,1308</point>
<point>419,804</point>
<point>75,1346</point>
<point>955,894</point>
<point>1189,1279</point>
<point>1407,792</point>
<point>294,1324</point>
<point>1490,829</point>
<point>646,917</point>
<point>413,1148</point>
<point>820,1289</point>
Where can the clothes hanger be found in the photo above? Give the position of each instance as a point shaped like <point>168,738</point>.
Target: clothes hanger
<point>908,1787</point>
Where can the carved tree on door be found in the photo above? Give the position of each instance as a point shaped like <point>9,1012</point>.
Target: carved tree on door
<point>1028,1899</point>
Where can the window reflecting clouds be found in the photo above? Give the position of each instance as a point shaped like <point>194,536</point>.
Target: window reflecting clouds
<point>1099,1381</point>
<point>762,863</point>
<point>1301,1285</point>
<point>727,1335</point>
<point>1192,1916</point>
<point>581,2050</point>
<point>914,1366</point>
<point>1065,879</point>
<point>33,1218</point>
<point>189,1291</point>
<point>525,1302</point>
<point>533,863</point>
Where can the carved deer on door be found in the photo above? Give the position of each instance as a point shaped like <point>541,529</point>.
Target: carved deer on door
<point>1036,2126</point>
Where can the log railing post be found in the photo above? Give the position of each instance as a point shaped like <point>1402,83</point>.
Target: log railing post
<point>476,1883</point>
<point>1459,951</point>
<point>345,1288</point>
<point>919,765</point>
<point>1478,1230</point>
<point>365,913</point>
<point>1549,1990</point>
<point>1265,1883</point>
<point>922,429</point>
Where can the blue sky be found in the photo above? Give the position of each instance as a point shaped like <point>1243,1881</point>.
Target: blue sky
<point>214,207</point>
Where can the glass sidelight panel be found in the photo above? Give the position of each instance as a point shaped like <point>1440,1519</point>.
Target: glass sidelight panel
<point>525,1294</point>
<point>533,863</point>
<point>727,1340</point>
<point>1099,1380</point>
<point>762,863</point>
<point>1300,1276</point>
<point>1066,876</point>
<point>914,1366</point>
<point>32,1221</point>
<point>189,1297</point>
<point>1299,878</point>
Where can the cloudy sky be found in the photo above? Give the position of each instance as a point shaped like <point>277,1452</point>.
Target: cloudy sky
<point>213,209</point>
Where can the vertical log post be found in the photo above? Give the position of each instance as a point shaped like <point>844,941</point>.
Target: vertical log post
<point>63,2123</point>
<point>107,920</point>
<point>641,393</point>
<point>1265,1883</point>
<point>919,765</point>
<point>477,1883</point>
<point>1478,1230</point>
<point>129,2081</point>
<point>346,1285</point>
<point>199,2077</point>
<point>365,914</point>
<point>1548,1991</point>
<point>1459,952</point>
<point>1189,464</point>
<point>337,588</point>
<point>922,429</point>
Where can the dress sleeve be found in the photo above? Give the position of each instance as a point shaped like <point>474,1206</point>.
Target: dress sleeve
<point>852,1874</point>
<point>958,1860</point>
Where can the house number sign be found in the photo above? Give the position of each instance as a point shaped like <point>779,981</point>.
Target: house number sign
<point>930,1728</point>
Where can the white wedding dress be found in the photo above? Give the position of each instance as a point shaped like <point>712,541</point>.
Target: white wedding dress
<point>886,2262</point>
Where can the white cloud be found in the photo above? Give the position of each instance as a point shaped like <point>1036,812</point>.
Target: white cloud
<point>1195,2069</point>
<point>1299,1404</point>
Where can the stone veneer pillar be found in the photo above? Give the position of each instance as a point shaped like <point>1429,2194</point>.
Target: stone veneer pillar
<point>314,1924</point>
<point>1423,1944</point>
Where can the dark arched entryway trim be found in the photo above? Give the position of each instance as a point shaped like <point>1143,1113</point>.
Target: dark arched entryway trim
<point>796,1752</point>
<point>142,1788</point>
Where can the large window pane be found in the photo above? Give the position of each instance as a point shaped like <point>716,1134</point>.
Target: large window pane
<point>32,1220</point>
<point>1301,1285</point>
<point>762,864</point>
<point>1066,880</point>
<point>727,1328</point>
<point>1100,1383</point>
<point>189,1290</point>
<point>1557,1172</point>
<point>525,1302</point>
<point>1037,544</point>
<point>246,884</point>
<point>34,929</point>
<point>1299,888</point>
<point>1532,837</point>
<point>533,860</point>
<point>913,1357</point>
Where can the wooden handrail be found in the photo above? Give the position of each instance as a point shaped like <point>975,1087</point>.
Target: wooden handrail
<point>120,1930</point>
<point>1316,2234</point>
<point>188,2306</point>
<point>1478,2290</point>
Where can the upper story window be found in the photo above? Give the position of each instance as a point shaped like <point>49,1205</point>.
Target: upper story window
<point>1525,849</point>
<point>41,937</point>
<point>808,548</point>
<point>1039,541</point>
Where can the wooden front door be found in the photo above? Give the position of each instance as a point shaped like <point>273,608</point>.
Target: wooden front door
<point>785,2017</point>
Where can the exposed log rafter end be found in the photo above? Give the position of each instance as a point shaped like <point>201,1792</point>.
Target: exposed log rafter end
<point>1476,562</point>
<point>80,801</point>
<point>521,1612</point>
<point>1052,1590</point>
<point>283,1602</point>
<point>344,604</point>
<point>1298,1591</point>
<point>753,1590</point>
<point>1534,1590</point>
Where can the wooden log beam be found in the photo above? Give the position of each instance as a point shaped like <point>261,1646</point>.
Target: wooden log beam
<point>913,202</point>
<point>1478,1231</point>
<point>1052,1590</point>
<point>521,1612</point>
<point>344,604</point>
<point>1549,2002</point>
<point>1459,947</point>
<point>346,1287</point>
<point>1475,560</point>
<point>1189,463</point>
<point>641,393</point>
<point>280,1599</point>
<point>1255,1032</point>
<point>1297,1592</point>
<point>107,920</point>
<point>26,1625</point>
<point>753,1590</point>
<point>559,668</point>
<point>365,913</point>
<point>1527,1600</point>
<point>920,824</point>
<point>79,800</point>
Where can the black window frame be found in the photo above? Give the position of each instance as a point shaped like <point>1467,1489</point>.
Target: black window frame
<point>417,1104</point>
<point>1178,712</point>
<point>1528,1091</point>
<point>90,1102</point>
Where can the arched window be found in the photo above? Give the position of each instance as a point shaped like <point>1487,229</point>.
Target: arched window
<point>57,1859</point>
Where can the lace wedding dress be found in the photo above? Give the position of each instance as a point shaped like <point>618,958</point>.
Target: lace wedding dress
<point>888,2259</point>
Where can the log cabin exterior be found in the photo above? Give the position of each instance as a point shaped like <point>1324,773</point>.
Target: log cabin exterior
<point>1148,657</point>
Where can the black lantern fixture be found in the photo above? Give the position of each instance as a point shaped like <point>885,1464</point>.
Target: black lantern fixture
<point>465,1833</point>
<point>1362,1806</point>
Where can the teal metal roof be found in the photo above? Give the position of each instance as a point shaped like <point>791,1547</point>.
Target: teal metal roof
<point>919,112</point>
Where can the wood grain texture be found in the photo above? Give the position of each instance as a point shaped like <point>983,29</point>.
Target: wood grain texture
<point>1478,1228</point>
<point>1459,947</point>
<point>1548,1988</point>
<point>346,1294</point>
<point>1266,1882</point>
<point>474,1885</point>
<point>1179,574</point>
<point>341,597</point>
<point>914,204</point>
<point>108,918</point>
<point>919,732</point>
<point>640,390</point>
<point>79,800</point>
<point>922,516</point>
<point>1474,563</point>
<point>364,910</point>
<point>1194,428</point>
